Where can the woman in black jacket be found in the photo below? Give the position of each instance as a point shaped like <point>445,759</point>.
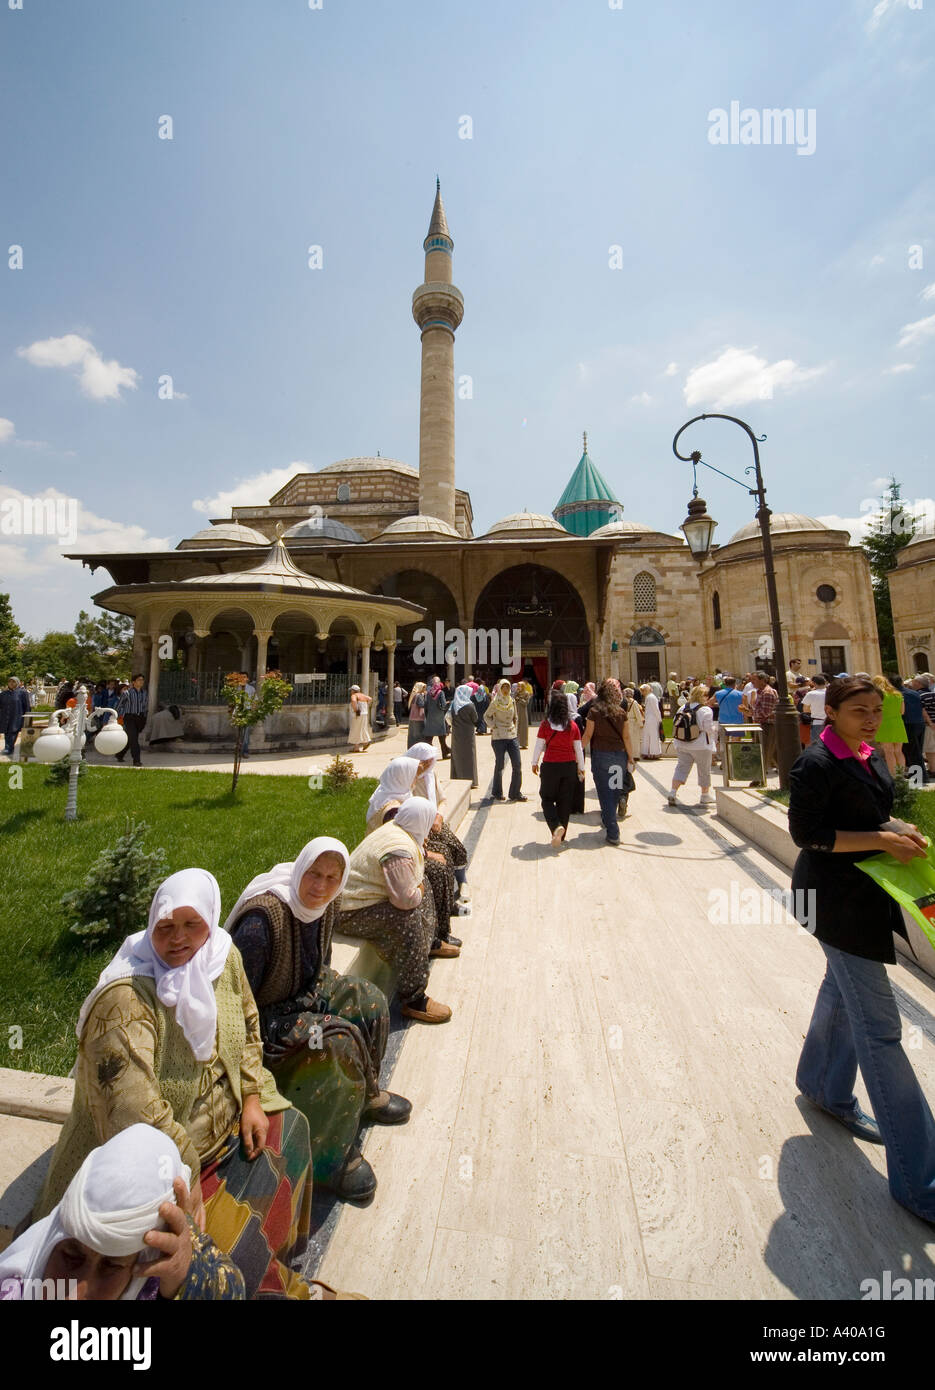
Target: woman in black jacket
<point>841,797</point>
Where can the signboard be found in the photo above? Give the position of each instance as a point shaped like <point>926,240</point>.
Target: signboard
<point>307,678</point>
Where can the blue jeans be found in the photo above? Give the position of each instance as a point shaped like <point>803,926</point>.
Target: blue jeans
<point>609,771</point>
<point>856,1023</point>
<point>501,747</point>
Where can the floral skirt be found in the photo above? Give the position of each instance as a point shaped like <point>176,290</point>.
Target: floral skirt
<point>401,938</point>
<point>258,1212</point>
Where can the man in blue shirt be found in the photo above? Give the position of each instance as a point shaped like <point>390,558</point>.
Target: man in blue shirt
<point>132,708</point>
<point>914,721</point>
<point>728,699</point>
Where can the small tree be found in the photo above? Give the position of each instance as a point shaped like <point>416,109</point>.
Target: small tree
<point>114,899</point>
<point>891,531</point>
<point>246,711</point>
<point>340,773</point>
<point>10,639</point>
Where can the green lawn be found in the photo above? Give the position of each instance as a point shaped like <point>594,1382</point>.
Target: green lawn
<point>45,972</point>
<point>921,814</point>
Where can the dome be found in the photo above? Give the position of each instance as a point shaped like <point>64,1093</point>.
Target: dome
<point>526,522</point>
<point>422,526</point>
<point>224,534</point>
<point>779,522</point>
<point>369,465</point>
<point>622,528</point>
<point>323,528</point>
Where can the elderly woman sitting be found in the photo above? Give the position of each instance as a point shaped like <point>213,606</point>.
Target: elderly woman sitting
<point>324,1034</point>
<point>394,787</point>
<point>385,902</point>
<point>123,1230</point>
<point>170,1036</point>
<point>442,841</point>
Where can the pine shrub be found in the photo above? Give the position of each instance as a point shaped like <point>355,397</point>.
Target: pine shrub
<point>118,888</point>
<point>340,773</point>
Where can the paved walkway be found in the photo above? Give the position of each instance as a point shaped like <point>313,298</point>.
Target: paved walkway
<point>611,1111</point>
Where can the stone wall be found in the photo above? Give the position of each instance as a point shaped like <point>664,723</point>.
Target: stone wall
<point>912,591</point>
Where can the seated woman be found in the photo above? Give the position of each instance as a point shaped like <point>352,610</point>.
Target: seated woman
<point>170,1036</point>
<point>441,841</point>
<point>167,725</point>
<point>123,1230</point>
<point>324,1034</point>
<point>394,787</point>
<point>384,902</point>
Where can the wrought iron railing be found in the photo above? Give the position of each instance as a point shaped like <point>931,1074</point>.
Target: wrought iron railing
<point>188,689</point>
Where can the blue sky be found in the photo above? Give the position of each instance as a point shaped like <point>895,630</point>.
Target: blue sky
<point>778,286</point>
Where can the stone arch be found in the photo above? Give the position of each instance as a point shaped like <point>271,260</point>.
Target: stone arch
<point>550,615</point>
<point>229,644</point>
<point>419,585</point>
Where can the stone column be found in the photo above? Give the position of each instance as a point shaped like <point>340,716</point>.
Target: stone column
<point>262,635</point>
<point>390,682</point>
<point>548,669</point>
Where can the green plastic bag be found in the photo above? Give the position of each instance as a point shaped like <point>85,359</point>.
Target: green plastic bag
<point>912,885</point>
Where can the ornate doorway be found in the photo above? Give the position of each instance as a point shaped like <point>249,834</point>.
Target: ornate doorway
<point>549,614</point>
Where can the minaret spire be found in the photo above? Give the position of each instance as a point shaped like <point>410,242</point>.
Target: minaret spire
<point>437,307</point>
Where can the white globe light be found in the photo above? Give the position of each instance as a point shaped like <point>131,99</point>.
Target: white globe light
<point>51,746</point>
<point>111,740</point>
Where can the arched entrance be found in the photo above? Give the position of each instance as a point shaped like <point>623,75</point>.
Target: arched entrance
<point>647,648</point>
<point>550,616</point>
<point>436,598</point>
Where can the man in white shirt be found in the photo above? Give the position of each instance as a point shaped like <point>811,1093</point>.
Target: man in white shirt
<point>814,702</point>
<point>749,695</point>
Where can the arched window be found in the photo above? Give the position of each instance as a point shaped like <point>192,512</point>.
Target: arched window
<point>716,606</point>
<point>644,593</point>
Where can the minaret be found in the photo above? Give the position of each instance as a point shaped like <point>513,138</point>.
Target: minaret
<point>437,307</point>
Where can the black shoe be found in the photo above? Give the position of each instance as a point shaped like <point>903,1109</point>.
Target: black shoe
<point>396,1111</point>
<point>519,798</point>
<point>450,940</point>
<point>356,1182</point>
<point>860,1124</point>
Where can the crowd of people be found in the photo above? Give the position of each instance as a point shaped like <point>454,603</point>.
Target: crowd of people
<point>225,1067</point>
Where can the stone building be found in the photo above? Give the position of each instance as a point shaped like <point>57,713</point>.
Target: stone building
<point>912,592</point>
<point>587,590</point>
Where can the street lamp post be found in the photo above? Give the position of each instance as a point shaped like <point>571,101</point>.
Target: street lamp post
<point>67,740</point>
<point>699,530</point>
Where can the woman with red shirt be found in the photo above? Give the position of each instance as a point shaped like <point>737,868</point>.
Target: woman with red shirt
<point>559,740</point>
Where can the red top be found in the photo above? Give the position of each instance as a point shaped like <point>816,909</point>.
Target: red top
<point>560,743</point>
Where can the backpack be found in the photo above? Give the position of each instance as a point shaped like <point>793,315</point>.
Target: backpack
<point>685,725</point>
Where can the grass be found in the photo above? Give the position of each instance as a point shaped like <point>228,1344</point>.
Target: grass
<point>45,971</point>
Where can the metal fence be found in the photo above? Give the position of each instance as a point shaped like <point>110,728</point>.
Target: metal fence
<point>187,689</point>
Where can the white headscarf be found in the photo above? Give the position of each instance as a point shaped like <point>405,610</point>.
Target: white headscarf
<point>285,879</point>
<point>186,988</point>
<point>426,753</point>
<point>109,1205</point>
<point>415,816</point>
<point>395,783</point>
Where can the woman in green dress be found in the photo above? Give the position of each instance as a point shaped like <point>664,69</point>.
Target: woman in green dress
<point>891,734</point>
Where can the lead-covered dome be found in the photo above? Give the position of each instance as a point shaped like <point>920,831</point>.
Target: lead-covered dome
<point>226,533</point>
<point>780,522</point>
<point>421,527</point>
<point>622,528</point>
<point>526,523</point>
<point>323,528</point>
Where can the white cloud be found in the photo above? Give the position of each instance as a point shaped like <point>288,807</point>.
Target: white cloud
<point>880,11</point>
<point>912,333</point>
<point>739,376</point>
<point>7,430</point>
<point>252,492</point>
<point>857,525</point>
<point>876,260</point>
<point>643,398</point>
<point>672,369</point>
<point>899,367</point>
<point>101,380</point>
<point>928,292</point>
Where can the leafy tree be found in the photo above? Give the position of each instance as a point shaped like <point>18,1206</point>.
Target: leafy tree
<point>890,532</point>
<point>246,711</point>
<point>115,896</point>
<point>10,640</point>
<point>99,647</point>
<point>109,634</point>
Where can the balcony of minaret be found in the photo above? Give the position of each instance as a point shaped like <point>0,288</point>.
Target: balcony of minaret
<point>438,304</point>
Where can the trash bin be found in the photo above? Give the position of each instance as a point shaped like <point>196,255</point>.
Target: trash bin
<point>742,753</point>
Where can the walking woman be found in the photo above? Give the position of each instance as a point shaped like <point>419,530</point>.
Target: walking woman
<point>522,696</point>
<point>436,707</point>
<point>463,736</point>
<point>502,717</point>
<point>891,734</point>
<point>608,735</point>
<point>841,795</point>
<point>558,746</point>
<point>635,719</point>
<point>481,699</point>
<point>651,745</point>
<point>359,735</point>
<point>416,713</point>
<point>385,902</point>
<point>694,738</point>
<point>170,1036</point>
<point>324,1034</point>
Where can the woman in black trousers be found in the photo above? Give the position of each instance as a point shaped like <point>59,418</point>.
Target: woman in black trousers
<point>558,746</point>
<point>840,802</point>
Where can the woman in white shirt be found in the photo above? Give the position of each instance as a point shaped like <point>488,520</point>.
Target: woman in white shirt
<point>697,750</point>
<point>814,702</point>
